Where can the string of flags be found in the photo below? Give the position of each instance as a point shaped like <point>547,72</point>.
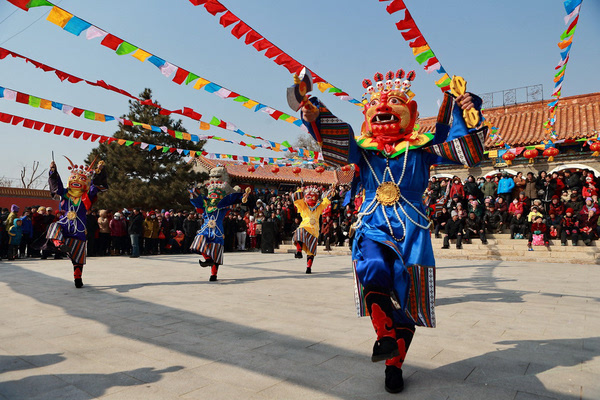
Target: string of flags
<point>260,43</point>
<point>93,137</point>
<point>572,8</point>
<point>185,111</point>
<point>38,102</point>
<point>423,53</point>
<point>77,26</point>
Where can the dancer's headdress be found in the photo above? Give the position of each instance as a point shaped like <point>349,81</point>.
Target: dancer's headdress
<point>81,172</point>
<point>388,85</point>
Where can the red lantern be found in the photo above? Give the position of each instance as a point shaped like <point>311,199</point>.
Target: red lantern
<point>275,169</point>
<point>508,157</point>
<point>595,147</point>
<point>530,154</point>
<point>320,169</point>
<point>550,152</point>
<point>251,168</point>
<point>296,170</point>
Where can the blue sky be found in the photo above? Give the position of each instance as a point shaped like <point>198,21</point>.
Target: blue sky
<point>495,45</point>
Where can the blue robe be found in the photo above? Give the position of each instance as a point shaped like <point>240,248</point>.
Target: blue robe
<point>392,245</point>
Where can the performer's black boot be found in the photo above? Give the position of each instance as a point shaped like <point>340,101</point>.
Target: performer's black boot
<point>393,370</point>
<point>298,250</point>
<point>379,305</point>
<point>206,263</point>
<point>213,273</point>
<point>77,272</point>
<point>309,262</point>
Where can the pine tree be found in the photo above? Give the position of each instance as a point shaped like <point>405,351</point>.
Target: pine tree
<point>147,179</point>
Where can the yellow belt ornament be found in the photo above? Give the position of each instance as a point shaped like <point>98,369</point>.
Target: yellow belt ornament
<point>388,193</point>
<point>458,87</point>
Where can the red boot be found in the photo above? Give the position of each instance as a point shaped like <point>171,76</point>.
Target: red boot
<point>77,272</point>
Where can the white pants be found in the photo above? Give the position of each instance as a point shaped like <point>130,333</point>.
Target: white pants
<point>241,239</point>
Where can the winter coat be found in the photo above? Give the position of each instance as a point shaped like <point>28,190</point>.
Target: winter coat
<point>490,189</point>
<point>118,227</point>
<point>531,189</point>
<point>136,224</point>
<point>150,228</point>
<point>506,185</point>
<point>15,233</point>
<point>27,227</point>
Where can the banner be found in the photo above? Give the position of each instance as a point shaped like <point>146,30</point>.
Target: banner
<point>179,75</point>
<point>260,43</point>
<point>93,137</point>
<point>423,53</point>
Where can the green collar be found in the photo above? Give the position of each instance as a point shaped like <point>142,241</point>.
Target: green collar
<point>400,147</point>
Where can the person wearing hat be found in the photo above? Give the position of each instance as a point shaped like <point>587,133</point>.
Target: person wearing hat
<point>454,230</point>
<point>569,228</point>
<point>151,233</point>
<point>535,211</point>
<point>490,188</point>
<point>538,227</point>
<point>473,227</point>
<point>518,225</point>
<point>556,206</point>
<point>531,191</point>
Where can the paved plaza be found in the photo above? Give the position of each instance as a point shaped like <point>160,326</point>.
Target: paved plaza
<point>155,328</point>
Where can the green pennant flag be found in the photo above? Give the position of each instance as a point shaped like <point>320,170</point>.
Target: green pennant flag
<point>444,83</point>
<point>286,143</point>
<point>129,143</point>
<point>560,71</point>
<point>335,90</point>
<point>215,121</point>
<point>191,77</point>
<point>89,114</point>
<point>241,99</point>
<point>566,34</point>
<point>426,55</point>
<point>179,135</point>
<point>39,3</point>
<point>34,101</point>
<point>136,123</point>
<point>165,149</point>
<point>125,48</point>
<point>284,116</point>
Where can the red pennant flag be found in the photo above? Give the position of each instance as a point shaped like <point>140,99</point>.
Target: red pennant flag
<point>68,132</point>
<point>77,111</point>
<point>86,135</point>
<point>431,61</point>
<point>180,76</point>
<point>127,122</point>
<point>38,125</point>
<point>262,44</point>
<point>22,4</point>
<point>214,7</point>
<point>4,53</point>
<point>411,34</point>
<point>59,130</point>
<point>282,59</point>
<point>293,66</point>
<point>276,114</point>
<point>272,52</point>
<point>406,23</point>
<point>17,120</point>
<point>165,112</point>
<point>111,139</point>
<point>222,124</point>
<point>48,128</point>
<point>111,41</point>
<point>172,150</point>
<point>73,79</point>
<point>28,123</point>
<point>22,98</point>
<point>77,134</point>
<point>240,29</point>
<point>5,118</point>
<point>252,36</point>
<point>227,19</point>
<point>395,6</point>
<point>418,42</point>
<point>103,139</point>
<point>197,2</point>
<point>95,137</point>
<point>188,112</point>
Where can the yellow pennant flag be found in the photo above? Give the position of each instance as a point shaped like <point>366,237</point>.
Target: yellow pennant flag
<point>192,153</point>
<point>141,55</point>
<point>200,83</point>
<point>121,141</point>
<point>419,50</point>
<point>204,125</point>
<point>99,117</point>
<point>565,43</point>
<point>46,104</point>
<point>146,126</point>
<point>493,154</point>
<point>187,136</point>
<point>442,79</point>
<point>250,104</point>
<point>323,86</point>
<point>59,17</point>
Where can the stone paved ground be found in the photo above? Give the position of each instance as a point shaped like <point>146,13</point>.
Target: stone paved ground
<point>155,328</point>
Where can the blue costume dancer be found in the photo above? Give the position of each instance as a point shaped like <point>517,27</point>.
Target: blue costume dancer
<point>392,253</point>
<point>209,240</point>
<point>68,234</point>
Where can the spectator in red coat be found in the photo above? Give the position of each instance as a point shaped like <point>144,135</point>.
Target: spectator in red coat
<point>514,206</point>
<point>538,228</point>
<point>589,189</point>
<point>556,206</point>
<point>457,188</point>
<point>587,226</point>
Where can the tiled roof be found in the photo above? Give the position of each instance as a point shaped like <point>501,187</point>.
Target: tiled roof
<point>522,124</point>
<point>263,173</point>
<point>22,192</point>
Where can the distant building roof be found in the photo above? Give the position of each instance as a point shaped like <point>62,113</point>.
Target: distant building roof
<point>522,124</point>
<point>263,173</point>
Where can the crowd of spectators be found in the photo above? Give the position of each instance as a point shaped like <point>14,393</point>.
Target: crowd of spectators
<point>561,206</point>
<point>262,224</point>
